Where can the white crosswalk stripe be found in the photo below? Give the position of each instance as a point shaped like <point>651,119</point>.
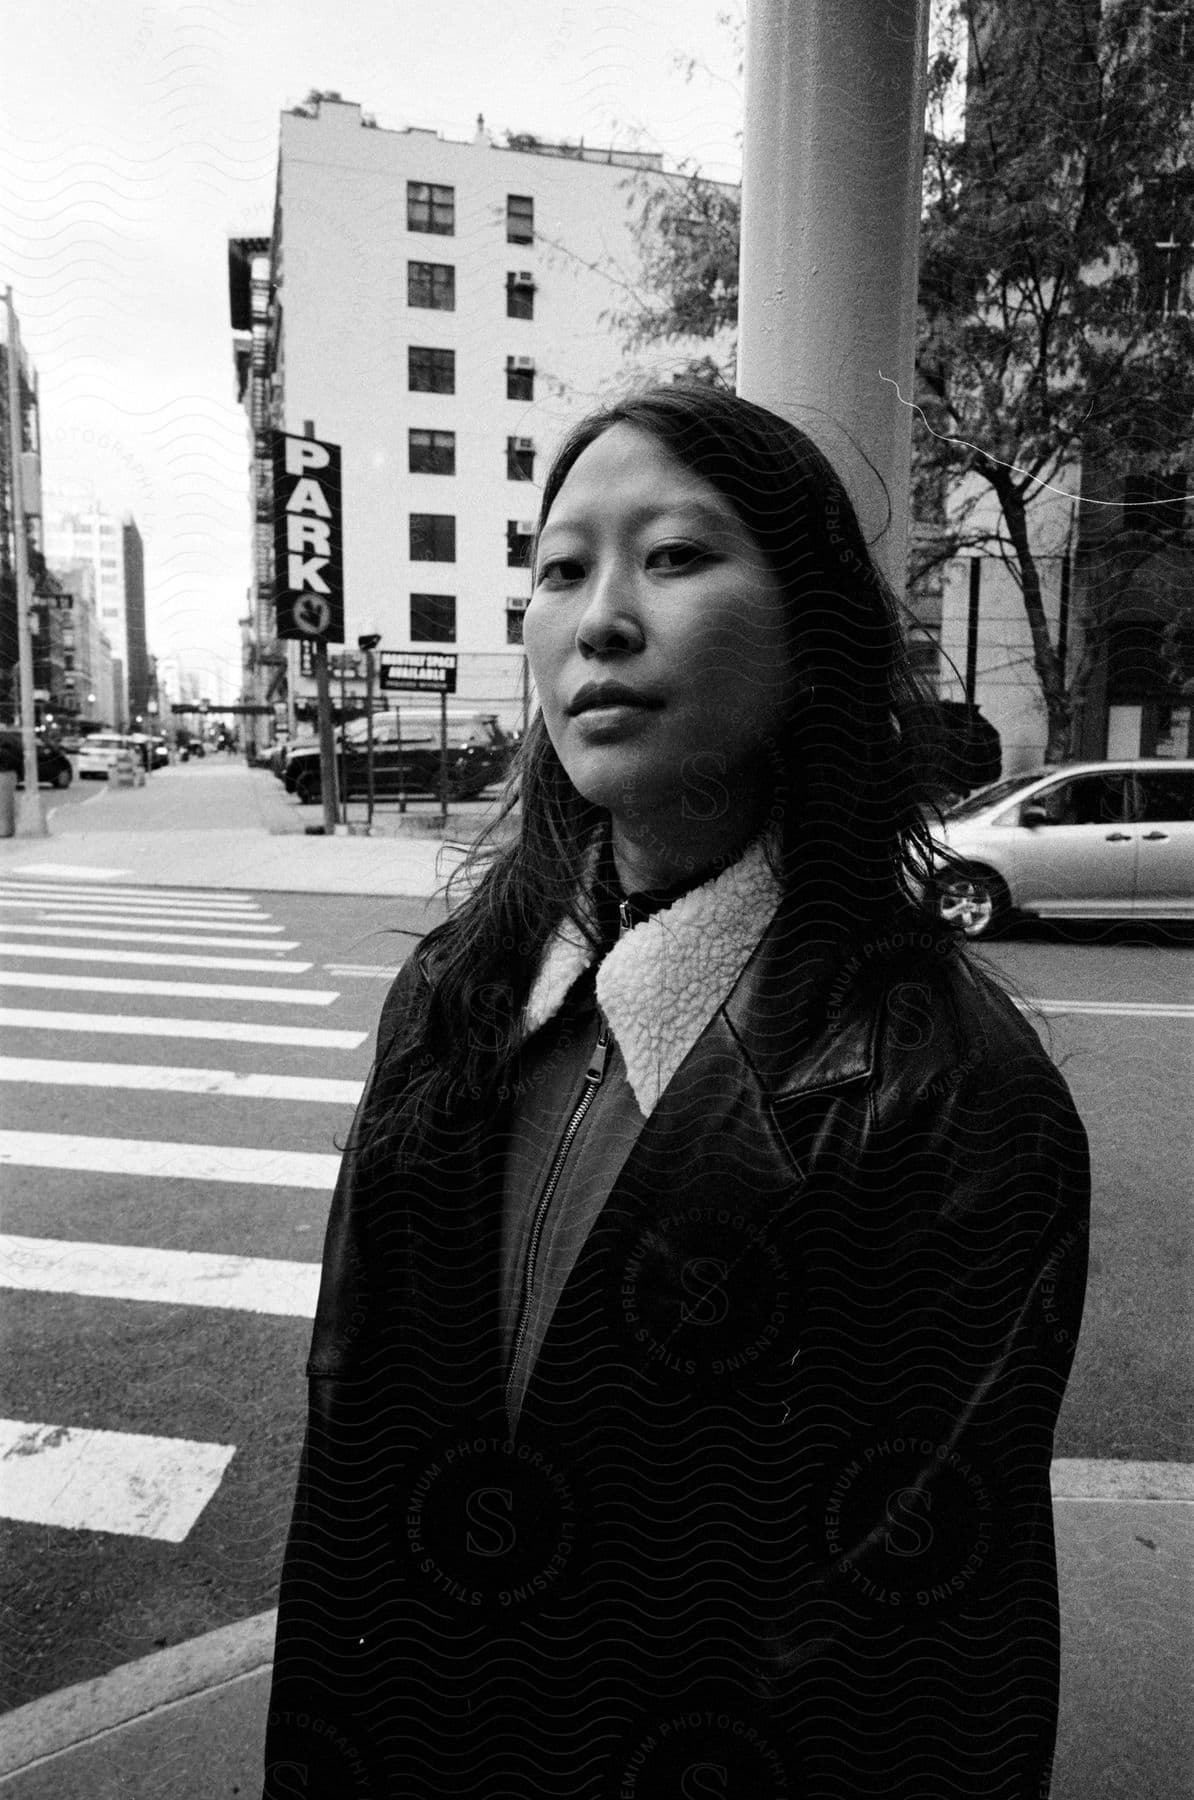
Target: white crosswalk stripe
<point>295,1037</point>
<point>169,1277</point>
<point>74,1473</point>
<point>255,965</point>
<point>146,896</point>
<point>179,1162</point>
<point>190,990</point>
<point>154,1078</point>
<point>151,937</point>
<point>120,1481</point>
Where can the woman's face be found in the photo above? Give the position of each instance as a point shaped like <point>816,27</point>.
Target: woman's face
<point>645,577</point>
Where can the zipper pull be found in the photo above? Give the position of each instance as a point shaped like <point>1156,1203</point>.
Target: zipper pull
<point>596,1068</point>
<point>624,918</point>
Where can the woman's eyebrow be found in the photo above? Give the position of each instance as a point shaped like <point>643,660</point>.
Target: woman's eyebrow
<point>646,513</point>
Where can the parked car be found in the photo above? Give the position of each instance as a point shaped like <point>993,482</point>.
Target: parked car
<point>406,756</point>
<point>53,765</point>
<point>1097,840</point>
<point>98,752</point>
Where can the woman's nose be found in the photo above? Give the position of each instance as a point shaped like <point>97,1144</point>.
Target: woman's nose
<point>610,614</point>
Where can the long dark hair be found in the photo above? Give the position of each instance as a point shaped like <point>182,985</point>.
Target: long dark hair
<point>851,776</point>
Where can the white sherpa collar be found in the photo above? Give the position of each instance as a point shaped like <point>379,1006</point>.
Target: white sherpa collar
<point>663,980</point>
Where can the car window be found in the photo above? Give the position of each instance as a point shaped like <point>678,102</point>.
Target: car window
<point>988,796</point>
<point>1083,800</point>
<point>1165,796</point>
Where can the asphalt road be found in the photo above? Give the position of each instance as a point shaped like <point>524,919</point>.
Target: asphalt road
<point>80,1601</point>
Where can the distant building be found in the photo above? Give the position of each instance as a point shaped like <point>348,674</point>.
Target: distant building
<point>78,528</point>
<point>88,690</point>
<point>441,311</point>
<point>140,682</point>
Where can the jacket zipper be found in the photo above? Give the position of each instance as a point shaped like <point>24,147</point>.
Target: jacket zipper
<point>594,1076</point>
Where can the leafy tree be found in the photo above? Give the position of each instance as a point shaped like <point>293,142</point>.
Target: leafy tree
<point>1054,321</point>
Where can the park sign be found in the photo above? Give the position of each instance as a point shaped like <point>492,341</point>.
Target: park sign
<point>308,551</point>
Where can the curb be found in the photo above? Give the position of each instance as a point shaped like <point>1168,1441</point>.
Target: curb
<point>75,1715</point>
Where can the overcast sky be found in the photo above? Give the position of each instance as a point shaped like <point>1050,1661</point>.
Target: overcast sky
<point>137,135</point>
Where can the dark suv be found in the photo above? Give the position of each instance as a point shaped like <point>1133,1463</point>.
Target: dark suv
<point>53,765</point>
<point>406,756</point>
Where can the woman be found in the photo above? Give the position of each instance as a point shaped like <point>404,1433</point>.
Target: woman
<point>706,1267</point>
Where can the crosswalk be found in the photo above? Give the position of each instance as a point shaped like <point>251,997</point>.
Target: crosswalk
<point>233,981</point>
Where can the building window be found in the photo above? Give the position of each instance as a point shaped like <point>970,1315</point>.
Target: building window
<point>520,219</point>
<point>433,453</point>
<point>430,208</point>
<point>520,295</point>
<point>515,607</point>
<point>431,371</point>
<point>433,618</point>
<point>520,378</point>
<point>431,284</point>
<point>520,535</point>
<point>520,459</point>
<point>432,537</point>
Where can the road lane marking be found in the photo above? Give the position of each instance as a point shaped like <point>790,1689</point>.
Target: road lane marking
<point>195,990</point>
<point>258,1284</point>
<point>1122,1009</point>
<point>130,912</point>
<point>373,969</point>
<point>168,1161</point>
<point>298,1037</point>
<point>225,1083</point>
<point>1080,1478</point>
<point>85,1480</point>
<point>163,896</point>
<point>252,965</point>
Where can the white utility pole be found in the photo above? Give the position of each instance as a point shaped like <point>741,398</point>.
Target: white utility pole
<point>30,820</point>
<point>835,102</point>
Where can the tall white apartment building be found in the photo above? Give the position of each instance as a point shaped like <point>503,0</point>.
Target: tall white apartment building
<point>441,310</point>
<point>77,528</point>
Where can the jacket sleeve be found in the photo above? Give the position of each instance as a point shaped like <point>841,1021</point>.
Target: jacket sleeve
<point>945,1285</point>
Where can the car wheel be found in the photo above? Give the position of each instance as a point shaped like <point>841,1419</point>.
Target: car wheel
<point>975,901</point>
<point>308,790</point>
<point>63,778</point>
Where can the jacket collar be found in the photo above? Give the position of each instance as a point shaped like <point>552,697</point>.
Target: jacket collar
<point>664,979</point>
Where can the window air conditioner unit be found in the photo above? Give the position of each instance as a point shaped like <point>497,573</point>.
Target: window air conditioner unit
<point>525,278</point>
<point>524,443</point>
<point>526,528</point>
<point>523,362</point>
<point>515,604</point>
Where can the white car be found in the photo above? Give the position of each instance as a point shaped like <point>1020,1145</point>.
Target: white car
<point>1094,840</point>
<point>98,752</point>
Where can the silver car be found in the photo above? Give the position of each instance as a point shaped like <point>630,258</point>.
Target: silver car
<point>1097,840</point>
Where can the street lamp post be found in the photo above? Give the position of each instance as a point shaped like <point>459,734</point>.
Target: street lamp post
<point>369,644</point>
<point>30,820</point>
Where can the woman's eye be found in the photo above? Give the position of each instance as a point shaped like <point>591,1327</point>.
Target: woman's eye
<point>675,556</point>
<point>562,569</point>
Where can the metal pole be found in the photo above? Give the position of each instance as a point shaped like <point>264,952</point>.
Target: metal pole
<point>443,759</point>
<point>976,575</point>
<point>327,736</point>
<point>833,148</point>
<point>369,734</point>
<point>344,737</point>
<point>401,759</point>
<point>30,820</point>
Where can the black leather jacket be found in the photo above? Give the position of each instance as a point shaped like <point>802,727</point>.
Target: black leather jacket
<point>777,1518</point>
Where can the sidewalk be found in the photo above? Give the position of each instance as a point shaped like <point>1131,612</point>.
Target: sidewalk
<point>218,824</point>
<point>188,1723</point>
